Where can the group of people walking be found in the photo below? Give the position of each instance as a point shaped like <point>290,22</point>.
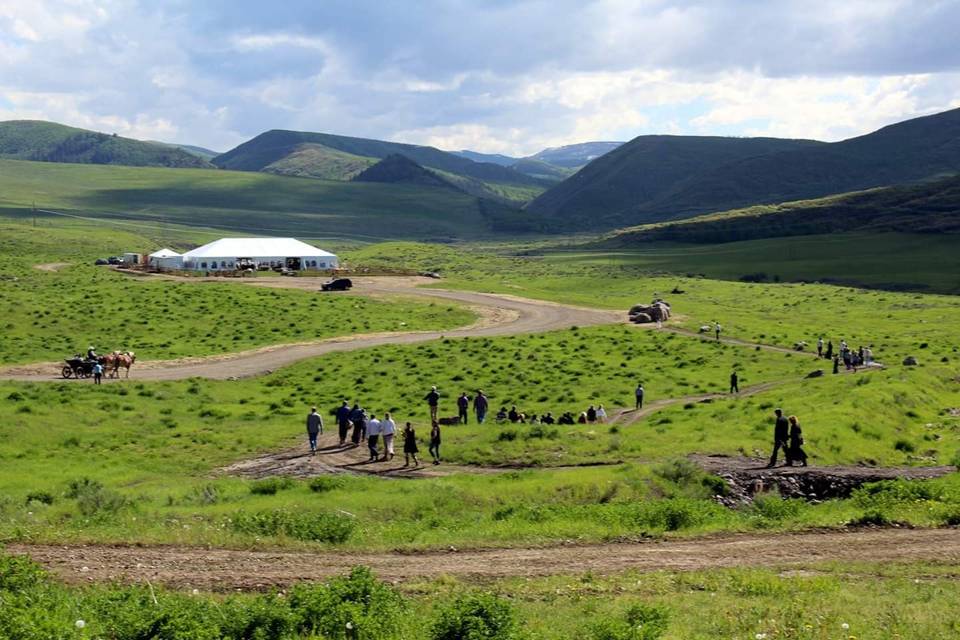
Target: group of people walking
<point>787,435</point>
<point>852,359</point>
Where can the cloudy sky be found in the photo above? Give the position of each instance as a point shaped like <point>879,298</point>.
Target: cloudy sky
<point>490,75</point>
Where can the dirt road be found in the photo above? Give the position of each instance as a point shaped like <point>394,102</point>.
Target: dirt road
<point>226,570</point>
<point>500,315</point>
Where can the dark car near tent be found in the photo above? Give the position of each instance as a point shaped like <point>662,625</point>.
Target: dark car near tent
<point>101,262</point>
<point>339,284</point>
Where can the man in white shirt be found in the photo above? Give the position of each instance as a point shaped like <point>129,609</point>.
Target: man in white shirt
<point>388,427</point>
<point>374,428</point>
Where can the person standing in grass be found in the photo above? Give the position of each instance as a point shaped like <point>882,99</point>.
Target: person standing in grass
<point>836,364</point>
<point>829,355</point>
<point>639,395</point>
<point>480,406</point>
<point>734,383</point>
<point>314,429</point>
<point>97,373</point>
<point>435,442</point>
<point>781,436</point>
<point>716,330</point>
<point>343,421</point>
<point>591,414</point>
<point>601,414</point>
<point>410,446</point>
<point>433,400</point>
<point>820,347</point>
<point>463,406</point>
<point>796,452</point>
<point>388,428</point>
<point>373,436</point>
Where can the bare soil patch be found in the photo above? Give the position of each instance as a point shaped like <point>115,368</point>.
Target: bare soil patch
<point>51,266</point>
<point>228,570</point>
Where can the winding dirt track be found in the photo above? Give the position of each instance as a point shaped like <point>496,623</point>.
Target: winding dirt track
<point>223,569</point>
<point>500,315</point>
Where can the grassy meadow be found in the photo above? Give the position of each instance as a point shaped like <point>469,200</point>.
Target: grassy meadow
<point>52,315</point>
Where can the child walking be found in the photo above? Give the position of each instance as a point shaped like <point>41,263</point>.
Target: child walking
<point>435,442</point>
<point>410,446</point>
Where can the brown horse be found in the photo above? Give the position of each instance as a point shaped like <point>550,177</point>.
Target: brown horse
<point>113,362</point>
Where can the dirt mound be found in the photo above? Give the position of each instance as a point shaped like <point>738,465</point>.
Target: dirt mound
<point>749,477</point>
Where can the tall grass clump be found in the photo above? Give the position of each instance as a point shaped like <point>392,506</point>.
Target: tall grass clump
<point>310,526</point>
<point>640,622</point>
<point>482,616</point>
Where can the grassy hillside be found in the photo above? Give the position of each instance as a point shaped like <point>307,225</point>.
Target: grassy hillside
<point>637,184</point>
<point>51,142</point>
<point>927,208</point>
<point>297,151</point>
<point>643,170</point>
<point>319,161</point>
<point>246,202</point>
<point>542,170</point>
<point>397,169</point>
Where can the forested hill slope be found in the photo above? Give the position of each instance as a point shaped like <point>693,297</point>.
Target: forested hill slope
<point>52,142</point>
<point>642,170</point>
<point>926,208</point>
<point>656,178</point>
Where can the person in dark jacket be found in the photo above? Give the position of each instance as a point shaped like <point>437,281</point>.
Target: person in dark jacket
<point>343,421</point>
<point>314,429</point>
<point>410,446</point>
<point>514,414</point>
<point>638,394</point>
<point>836,364</point>
<point>591,414</point>
<point>480,406</point>
<point>734,383</point>
<point>435,442</point>
<point>463,406</point>
<point>829,354</point>
<point>796,452</point>
<point>359,419</point>
<point>781,435</point>
<point>433,400</point>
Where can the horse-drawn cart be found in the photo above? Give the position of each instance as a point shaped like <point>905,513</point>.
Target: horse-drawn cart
<point>77,367</point>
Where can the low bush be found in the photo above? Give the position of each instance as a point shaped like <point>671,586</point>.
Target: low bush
<point>640,622</point>
<point>44,497</point>
<point>357,606</point>
<point>775,509</point>
<point>887,493</point>
<point>270,486</point>
<point>323,484</point>
<point>77,487</point>
<point>308,525</point>
<point>475,617</point>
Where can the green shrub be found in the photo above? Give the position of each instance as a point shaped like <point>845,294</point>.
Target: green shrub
<point>904,445</point>
<point>372,609</point>
<point>308,525</point>
<point>44,497</point>
<point>475,617</point>
<point>93,499</point>
<point>508,435</point>
<point>887,493</point>
<point>77,487</point>
<point>773,507</point>
<point>323,484</point>
<point>640,622</point>
<point>270,486</point>
<point>19,573</point>
<point>872,518</point>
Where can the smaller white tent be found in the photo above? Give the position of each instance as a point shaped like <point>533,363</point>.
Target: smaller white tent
<point>165,259</point>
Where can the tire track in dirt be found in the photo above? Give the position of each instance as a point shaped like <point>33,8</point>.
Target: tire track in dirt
<point>228,570</point>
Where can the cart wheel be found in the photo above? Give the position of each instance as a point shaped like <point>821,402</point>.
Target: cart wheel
<point>66,372</point>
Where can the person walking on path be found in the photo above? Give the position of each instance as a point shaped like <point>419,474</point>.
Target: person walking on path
<point>716,330</point>
<point>734,383</point>
<point>639,396</point>
<point>314,429</point>
<point>480,406</point>
<point>829,355</point>
<point>97,373</point>
<point>373,436</point>
<point>781,435</point>
<point>435,442</point>
<point>463,406</point>
<point>343,421</point>
<point>359,419</point>
<point>820,347</point>
<point>410,446</point>
<point>433,399</point>
<point>796,452</point>
<point>601,414</point>
<point>388,428</point>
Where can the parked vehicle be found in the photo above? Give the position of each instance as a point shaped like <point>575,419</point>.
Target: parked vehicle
<point>337,284</point>
<point>78,367</point>
<point>114,260</point>
<point>101,261</point>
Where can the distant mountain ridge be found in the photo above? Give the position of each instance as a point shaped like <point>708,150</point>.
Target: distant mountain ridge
<point>657,178</point>
<point>282,151</point>
<point>574,156</point>
<point>51,142</point>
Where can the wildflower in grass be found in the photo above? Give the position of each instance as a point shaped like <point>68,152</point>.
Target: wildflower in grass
<point>80,624</point>
<point>844,626</point>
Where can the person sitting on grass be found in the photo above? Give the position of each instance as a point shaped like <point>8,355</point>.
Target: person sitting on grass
<point>410,446</point>
<point>514,415</point>
<point>548,419</point>
<point>502,415</point>
<point>582,418</point>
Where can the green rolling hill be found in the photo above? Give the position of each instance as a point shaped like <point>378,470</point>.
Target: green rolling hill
<point>251,203</point>
<point>932,207</point>
<point>323,155</point>
<point>398,169</point>
<point>51,142</point>
<point>656,178</point>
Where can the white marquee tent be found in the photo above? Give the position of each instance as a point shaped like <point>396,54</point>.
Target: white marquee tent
<point>236,253</point>
<point>165,259</point>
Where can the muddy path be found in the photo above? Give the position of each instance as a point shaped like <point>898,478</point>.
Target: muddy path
<point>228,570</point>
<point>499,315</point>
